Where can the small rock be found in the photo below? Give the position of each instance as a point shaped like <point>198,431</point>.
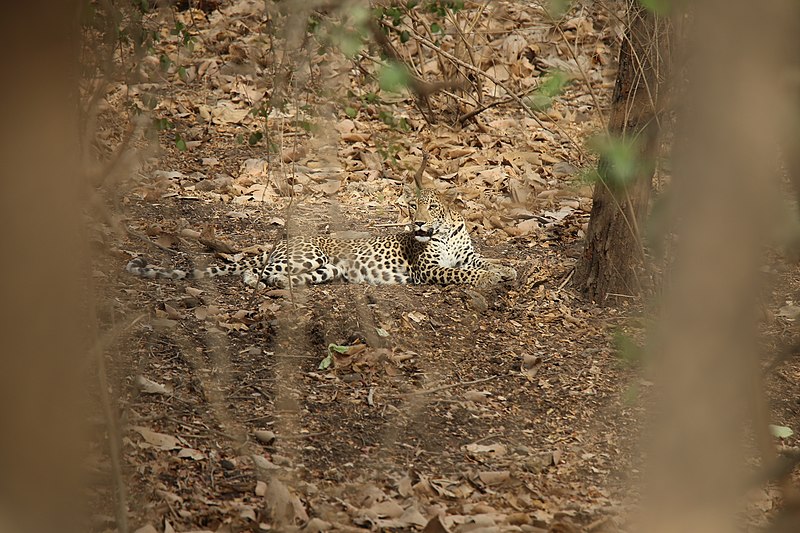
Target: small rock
<point>563,169</point>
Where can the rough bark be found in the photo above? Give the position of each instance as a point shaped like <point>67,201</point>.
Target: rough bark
<point>612,257</point>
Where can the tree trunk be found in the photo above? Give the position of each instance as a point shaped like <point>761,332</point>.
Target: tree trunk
<point>42,310</point>
<point>612,258</point>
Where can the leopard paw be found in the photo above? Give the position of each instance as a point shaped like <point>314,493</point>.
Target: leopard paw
<point>488,278</point>
<point>252,279</point>
<point>508,273</point>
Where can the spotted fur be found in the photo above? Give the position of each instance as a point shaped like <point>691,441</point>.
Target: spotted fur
<point>438,250</point>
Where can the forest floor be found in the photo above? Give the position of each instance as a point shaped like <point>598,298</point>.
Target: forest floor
<point>508,409</point>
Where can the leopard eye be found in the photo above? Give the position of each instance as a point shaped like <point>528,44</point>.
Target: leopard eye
<point>412,205</point>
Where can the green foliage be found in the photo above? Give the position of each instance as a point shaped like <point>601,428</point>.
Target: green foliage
<point>782,432</point>
<point>393,77</point>
<point>181,30</point>
<point>400,124</point>
<point>333,348</point>
<point>254,138</point>
<point>443,7</point>
<point>657,7</point>
<point>180,143</point>
<point>164,62</point>
<point>149,101</point>
<point>326,362</point>
<point>551,86</point>
<point>388,152</point>
<point>557,8</point>
<point>162,124</point>
<point>397,14</point>
<point>350,36</point>
<point>313,23</point>
<point>626,350</point>
<point>620,159</point>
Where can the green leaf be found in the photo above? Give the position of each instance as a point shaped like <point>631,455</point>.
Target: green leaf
<point>393,77</point>
<point>657,7</point>
<point>326,363</point>
<point>254,138</point>
<point>405,35</point>
<point>627,350</point>
<point>350,44</point>
<point>551,86</point>
<point>557,8</point>
<point>180,144</point>
<point>350,112</point>
<point>149,101</point>
<point>538,102</point>
<point>782,432</point>
<point>164,62</point>
<point>337,348</point>
<point>163,124</point>
<point>620,159</point>
<point>435,28</point>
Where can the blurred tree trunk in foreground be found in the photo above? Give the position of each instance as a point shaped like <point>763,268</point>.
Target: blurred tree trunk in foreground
<point>613,250</point>
<point>724,201</point>
<point>42,323</point>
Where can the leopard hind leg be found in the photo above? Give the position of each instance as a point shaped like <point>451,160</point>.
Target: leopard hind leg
<point>305,264</point>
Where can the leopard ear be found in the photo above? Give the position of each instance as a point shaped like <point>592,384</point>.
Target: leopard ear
<point>418,175</point>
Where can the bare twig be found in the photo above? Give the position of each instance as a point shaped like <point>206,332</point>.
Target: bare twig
<point>464,118</point>
<point>566,280</point>
<point>421,169</point>
<point>421,89</point>
<point>452,386</point>
<point>390,225</point>
<point>148,241</point>
<point>112,425</point>
<point>585,78</point>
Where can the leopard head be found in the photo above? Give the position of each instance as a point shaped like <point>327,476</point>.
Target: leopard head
<point>431,215</point>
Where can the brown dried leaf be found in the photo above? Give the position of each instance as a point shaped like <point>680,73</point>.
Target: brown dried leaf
<point>161,441</point>
<point>494,477</point>
<point>147,386</point>
<point>435,525</point>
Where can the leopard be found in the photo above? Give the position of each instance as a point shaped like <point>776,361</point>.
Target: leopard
<point>437,249</point>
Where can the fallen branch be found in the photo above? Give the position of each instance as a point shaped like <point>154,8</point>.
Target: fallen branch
<point>149,241</point>
<point>452,386</point>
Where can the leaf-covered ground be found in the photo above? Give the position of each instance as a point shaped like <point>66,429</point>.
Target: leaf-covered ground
<point>501,410</point>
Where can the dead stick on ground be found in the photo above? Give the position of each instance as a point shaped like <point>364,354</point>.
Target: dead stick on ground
<point>149,241</point>
<point>452,386</point>
<point>475,112</point>
<point>391,225</point>
<point>566,280</point>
